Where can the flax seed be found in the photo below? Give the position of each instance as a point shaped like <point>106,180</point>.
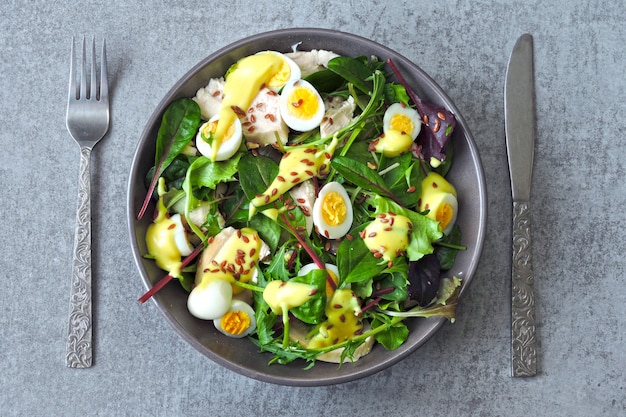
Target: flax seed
<point>437,126</point>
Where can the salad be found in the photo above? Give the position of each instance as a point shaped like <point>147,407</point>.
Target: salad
<point>302,201</point>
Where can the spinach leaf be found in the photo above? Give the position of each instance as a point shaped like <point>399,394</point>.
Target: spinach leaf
<point>353,71</point>
<point>179,125</point>
<point>396,278</point>
<point>393,336</point>
<point>448,248</point>
<point>313,311</point>
<point>362,176</point>
<point>355,262</point>
<point>256,173</point>
<point>268,230</point>
<point>325,81</point>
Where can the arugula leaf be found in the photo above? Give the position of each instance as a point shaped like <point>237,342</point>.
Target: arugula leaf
<point>265,318</point>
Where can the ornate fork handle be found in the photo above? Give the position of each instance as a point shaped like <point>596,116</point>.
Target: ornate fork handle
<point>79,337</point>
<point>523,339</point>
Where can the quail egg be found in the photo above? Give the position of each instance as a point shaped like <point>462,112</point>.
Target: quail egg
<point>229,144</point>
<point>288,71</point>
<point>238,321</point>
<point>301,106</point>
<point>403,119</point>
<point>332,211</point>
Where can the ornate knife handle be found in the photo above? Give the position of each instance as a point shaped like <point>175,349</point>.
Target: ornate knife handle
<point>79,331</point>
<point>523,337</point>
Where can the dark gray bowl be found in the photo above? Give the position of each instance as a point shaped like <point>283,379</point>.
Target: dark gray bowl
<point>240,355</point>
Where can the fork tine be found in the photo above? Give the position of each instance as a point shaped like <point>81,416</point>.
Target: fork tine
<point>83,74</point>
<point>72,87</point>
<point>93,92</point>
<point>104,83</point>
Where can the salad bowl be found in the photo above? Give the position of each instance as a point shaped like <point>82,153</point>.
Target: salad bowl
<point>243,356</point>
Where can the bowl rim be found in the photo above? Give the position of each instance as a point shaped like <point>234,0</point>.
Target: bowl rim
<point>171,95</point>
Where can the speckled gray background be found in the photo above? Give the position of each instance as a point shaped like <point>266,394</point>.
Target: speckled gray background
<point>143,368</point>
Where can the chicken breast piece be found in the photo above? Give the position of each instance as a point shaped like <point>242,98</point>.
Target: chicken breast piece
<point>263,124</point>
<point>339,114</point>
<point>311,61</point>
<point>209,98</point>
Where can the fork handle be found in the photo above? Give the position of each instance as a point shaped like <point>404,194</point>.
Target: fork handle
<point>79,337</point>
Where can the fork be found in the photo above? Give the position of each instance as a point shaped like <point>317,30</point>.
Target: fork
<point>87,122</point>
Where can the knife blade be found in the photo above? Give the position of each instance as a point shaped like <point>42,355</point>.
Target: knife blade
<point>519,116</point>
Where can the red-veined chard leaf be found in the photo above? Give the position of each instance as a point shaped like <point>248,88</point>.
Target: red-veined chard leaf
<point>178,126</point>
<point>439,122</point>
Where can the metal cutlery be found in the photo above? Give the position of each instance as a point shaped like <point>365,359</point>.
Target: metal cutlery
<point>519,113</point>
<point>87,122</point>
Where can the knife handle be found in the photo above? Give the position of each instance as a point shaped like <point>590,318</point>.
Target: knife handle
<point>523,331</point>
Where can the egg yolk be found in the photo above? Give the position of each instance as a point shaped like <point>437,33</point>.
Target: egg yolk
<point>281,77</point>
<point>334,209</point>
<point>235,322</point>
<point>402,123</point>
<point>210,129</point>
<point>303,103</point>
<point>444,215</point>
<point>343,321</point>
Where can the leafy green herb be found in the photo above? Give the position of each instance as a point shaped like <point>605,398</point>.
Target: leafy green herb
<point>179,125</point>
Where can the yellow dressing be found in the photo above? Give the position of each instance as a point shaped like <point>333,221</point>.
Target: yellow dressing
<point>282,296</point>
<point>234,261</point>
<point>160,237</point>
<point>296,166</point>
<point>161,245</point>
<point>434,183</point>
<point>342,323</point>
<point>393,143</point>
<point>242,85</point>
<point>387,236</point>
<point>281,77</point>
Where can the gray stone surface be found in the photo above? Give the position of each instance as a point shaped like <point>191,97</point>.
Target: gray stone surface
<point>143,368</point>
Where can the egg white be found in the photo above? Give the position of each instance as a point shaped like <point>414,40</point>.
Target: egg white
<point>242,306</point>
<point>410,113</point>
<point>289,111</point>
<point>228,146</point>
<point>312,266</point>
<point>180,236</point>
<point>323,228</point>
<point>211,301</point>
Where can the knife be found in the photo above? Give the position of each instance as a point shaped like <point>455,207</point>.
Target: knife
<point>519,116</point>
